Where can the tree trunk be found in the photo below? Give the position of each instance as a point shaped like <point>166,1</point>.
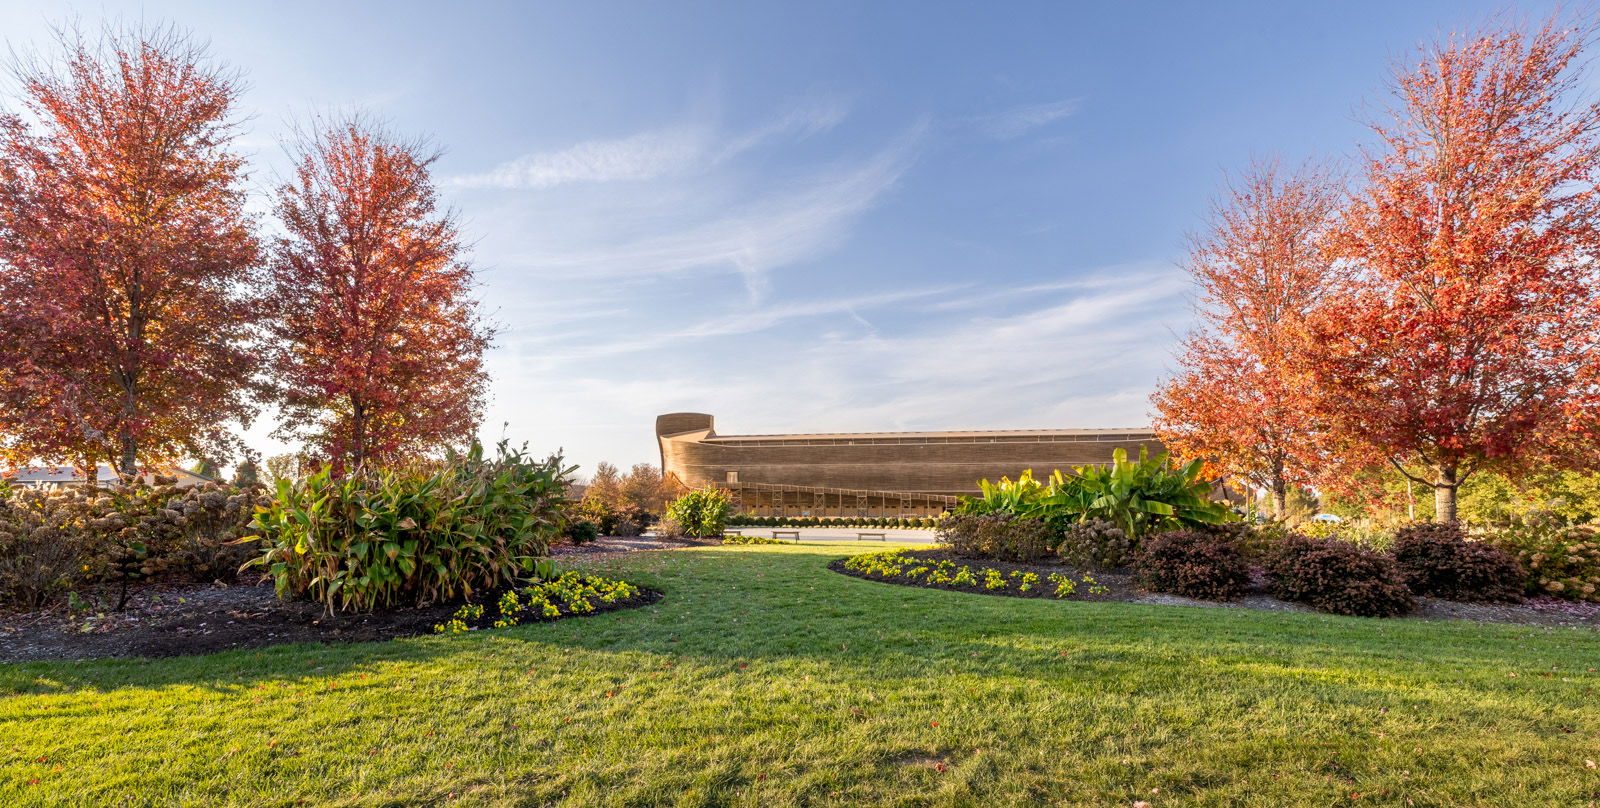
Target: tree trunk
<point>128,466</point>
<point>1280,500</point>
<point>1444,494</point>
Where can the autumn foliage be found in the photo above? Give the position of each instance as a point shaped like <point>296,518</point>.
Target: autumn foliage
<point>1442,319</point>
<point>378,347</point>
<point>1463,338</point>
<point>1261,267</point>
<point>124,304</point>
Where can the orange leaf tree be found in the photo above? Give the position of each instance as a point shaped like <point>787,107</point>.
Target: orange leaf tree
<point>1261,268</point>
<point>379,349</point>
<point>1460,339</point>
<point>127,255</point>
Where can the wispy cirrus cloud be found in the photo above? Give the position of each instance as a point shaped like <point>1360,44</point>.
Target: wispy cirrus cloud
<point>749,238</point>
<point>643,156</point>
<point>651,154</point>
<point>1019,121</point>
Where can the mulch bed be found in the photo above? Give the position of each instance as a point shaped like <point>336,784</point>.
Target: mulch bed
<point>1541,611</point>
<point>185,620</point>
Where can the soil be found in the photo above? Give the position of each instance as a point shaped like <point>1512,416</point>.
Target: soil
<point>184,620</point>
<point>1120,586</point>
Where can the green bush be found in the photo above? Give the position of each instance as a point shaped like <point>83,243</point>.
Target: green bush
<point>996,535</point>
<point>582,531</point>
<point>1095,544</point>
<point>701,512</point>
<point>416,535</point>
<point>1339,577</point>
<point>1437,560</point>
<point>1194,564</point>
<point>1561,560</point>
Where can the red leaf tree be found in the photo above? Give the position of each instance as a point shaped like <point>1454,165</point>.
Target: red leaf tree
<point>1261,268</point>
<point>1460,340</point>
<point>127,255</point>
<point>379,345</point>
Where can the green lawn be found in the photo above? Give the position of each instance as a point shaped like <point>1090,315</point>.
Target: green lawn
<point>764,679</point>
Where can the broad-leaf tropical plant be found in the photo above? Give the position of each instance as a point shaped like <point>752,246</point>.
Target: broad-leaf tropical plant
<point>1140,497</point>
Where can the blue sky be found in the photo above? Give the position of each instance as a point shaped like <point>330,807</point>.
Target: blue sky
<point>818,216</point>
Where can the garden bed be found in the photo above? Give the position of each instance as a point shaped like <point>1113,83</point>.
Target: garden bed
<point>1119,586</point>
<point>169,620</point>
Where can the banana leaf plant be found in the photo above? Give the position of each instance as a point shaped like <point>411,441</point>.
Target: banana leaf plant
<point>1145,496</point>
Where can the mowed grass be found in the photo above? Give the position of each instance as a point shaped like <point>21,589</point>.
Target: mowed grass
<point>763,679</point>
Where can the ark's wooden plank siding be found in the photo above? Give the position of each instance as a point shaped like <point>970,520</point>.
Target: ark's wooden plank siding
<point>882,466</point>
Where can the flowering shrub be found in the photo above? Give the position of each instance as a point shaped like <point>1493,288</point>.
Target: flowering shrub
<point>997,535</point>
<point>1561,560</point>
<point>891,564</point>
<point>1194,564</point>
<point>1254,541</point>
<point>53,540</point>
<point>1095,544</point>
<point>567,594</point>
<point>1437,560</point>
<point>413,535</point>
<point>1339,577</point>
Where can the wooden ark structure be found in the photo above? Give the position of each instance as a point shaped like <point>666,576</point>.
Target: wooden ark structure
<point>871,473</point>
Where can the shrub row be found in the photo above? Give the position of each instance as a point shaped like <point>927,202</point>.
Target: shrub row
<point>753,520</point>
<point>1337,576</point>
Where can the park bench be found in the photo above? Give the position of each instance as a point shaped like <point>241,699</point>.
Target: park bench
<point>795,534</point>
<point>732,531</point>
<point>861,535</point>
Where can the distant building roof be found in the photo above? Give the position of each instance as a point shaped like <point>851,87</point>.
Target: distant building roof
<point>59,474</point>
<point>67,475</point>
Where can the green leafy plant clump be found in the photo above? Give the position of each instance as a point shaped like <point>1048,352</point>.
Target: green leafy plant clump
<point>570,593</point>
<point>901,567</point>
<point>1139,497</point>
<point>415,535</point>
<point>751,540</point>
